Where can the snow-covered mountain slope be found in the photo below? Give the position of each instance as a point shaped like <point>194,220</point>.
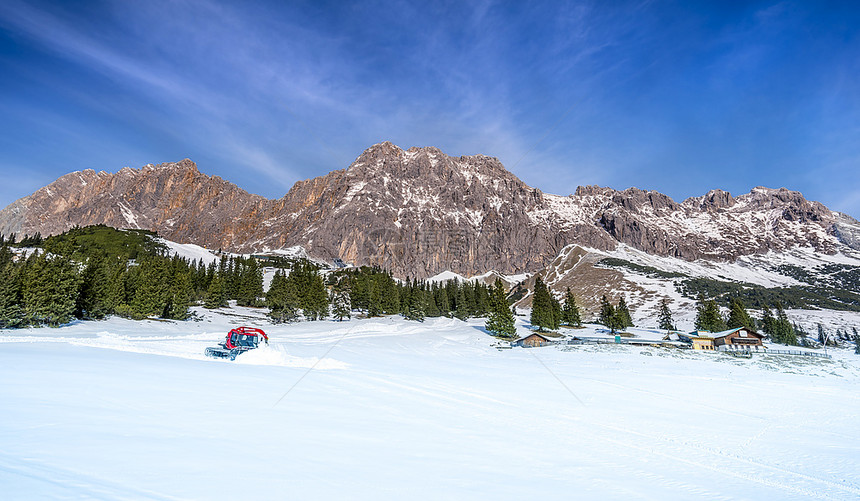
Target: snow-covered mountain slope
<point>800,278</point>
<point>419,212</point>
<point>132,410</point>
<point>488,278</point>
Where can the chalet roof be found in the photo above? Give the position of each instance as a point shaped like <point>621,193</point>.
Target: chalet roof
<point>534,334</point>
<point>699,334</point>
<point>725,333</point>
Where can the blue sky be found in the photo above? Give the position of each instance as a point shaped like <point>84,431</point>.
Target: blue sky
<point>680,97</point>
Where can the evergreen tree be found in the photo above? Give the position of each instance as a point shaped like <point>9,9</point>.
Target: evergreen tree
<point>216,293</point>
<point>768,322</point>
<point>374,299</point>
<point>250,283</point>
<point>471,305</point>
<point>624,319</point>
<point>390,295</point>
<point>414,308</point>
<point>93,301</point>
<point>442,302</point>
<point>783,331</point>
<point>431,309</point>
<point>482,300</point>
<point>556,312</point>
<point>738,316</point>
<point>665,316</point>
<point>570,312</point>
<point>500,321</point>
<point>708,316</point>
<point>151,290</point>
<point>282,299</point>
<point>542,307</point>
<point>315,299</point>
<point>5,254</point>
<point>118,295</point>
<point>179,296</point>
<point>462,311</point>
<point>607,316</point>
<point>50,290</point>
<point>11,300</point>
<point>340,304</point>
<point>451,287</point>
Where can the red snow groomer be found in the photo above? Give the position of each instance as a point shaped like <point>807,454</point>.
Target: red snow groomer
<point>239,340</point>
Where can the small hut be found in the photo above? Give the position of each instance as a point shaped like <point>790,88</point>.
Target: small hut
<point>532,340</point>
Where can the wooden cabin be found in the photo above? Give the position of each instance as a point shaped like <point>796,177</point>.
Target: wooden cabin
<point>532,340</point>
<point>740,338</point>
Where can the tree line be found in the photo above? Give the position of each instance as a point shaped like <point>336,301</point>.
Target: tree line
<point>97,271</point>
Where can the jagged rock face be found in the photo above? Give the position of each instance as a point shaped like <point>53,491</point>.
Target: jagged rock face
<point>174,199</point>
<point>418,212</point>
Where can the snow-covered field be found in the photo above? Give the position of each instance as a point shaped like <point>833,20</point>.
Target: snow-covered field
<point>401,410</point>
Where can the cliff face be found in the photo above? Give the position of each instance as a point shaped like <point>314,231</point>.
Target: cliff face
<point>419,212</point>
<point>174,199</point>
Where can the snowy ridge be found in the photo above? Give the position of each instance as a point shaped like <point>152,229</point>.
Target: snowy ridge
<point>487,278</point>
<point>190,252</point>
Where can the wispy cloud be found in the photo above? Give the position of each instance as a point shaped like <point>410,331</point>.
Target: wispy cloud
<point>677,99</point>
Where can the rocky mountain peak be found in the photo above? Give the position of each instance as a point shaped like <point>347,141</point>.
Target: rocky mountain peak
<point>593,190</point>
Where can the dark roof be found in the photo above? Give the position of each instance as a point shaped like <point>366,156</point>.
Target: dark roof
<point>534,334</point>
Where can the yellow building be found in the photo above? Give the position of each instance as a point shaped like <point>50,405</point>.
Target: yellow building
<point>703,343</point>
<point>701,340</point>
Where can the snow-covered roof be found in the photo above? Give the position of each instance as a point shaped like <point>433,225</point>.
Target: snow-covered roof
<point>732,331</point>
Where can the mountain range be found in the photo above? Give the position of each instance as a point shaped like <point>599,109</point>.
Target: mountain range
<point>418,212</point>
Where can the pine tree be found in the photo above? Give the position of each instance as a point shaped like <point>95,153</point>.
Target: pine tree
<point>542,307</point>
<point>768,322</point>
<point>216,295</point>
<point>482,300</point>
<point>783,330</point>
<point>607,316</point>
<point>415,305</point>
<point>570,312</point>
<point>431,309</point>
<point>50,291</point>
<point>556,312</point>
<point>250,283</point>
<point>738,316</point>
<point>282,299</point>
<point>708,316</point>
<point>665,316</point>
<point>624,319</point>
<point>93,301</point>
<point>315,300</point>
<point>118,296</point>
<point>390,294</point>
<point>462,311</point>
<point>500,321</point>
<point>179,297</point>
<point>442,302</point>
<point>151,290</point>
<point>340,304</point>
<point>5,254</point>
<point>11,300</point>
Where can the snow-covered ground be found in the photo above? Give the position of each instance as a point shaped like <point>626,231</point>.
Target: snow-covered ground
<point>403,410</point>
